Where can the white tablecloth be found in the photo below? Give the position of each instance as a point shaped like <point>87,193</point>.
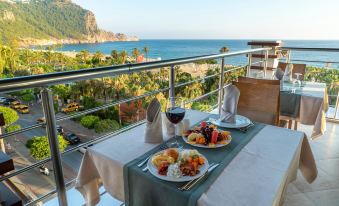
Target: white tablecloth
<point>258,175</point>
<point>313,105</point>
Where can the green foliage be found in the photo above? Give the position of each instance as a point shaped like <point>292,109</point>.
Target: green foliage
<point>201,106</point>
<point>28,97</point>
<point>89,121</point>
<point>13,127</point>
<point>89,102</point>
<point>39,146</point>
<point>43,19</point>
<point>10,115</point>
<point>208,61</point>
<point>106,125</point>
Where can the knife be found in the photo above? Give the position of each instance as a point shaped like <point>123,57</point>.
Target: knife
<point>202,177</point>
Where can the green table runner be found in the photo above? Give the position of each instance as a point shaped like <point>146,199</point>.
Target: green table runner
<point>142,188</point>
<point>289,104</point>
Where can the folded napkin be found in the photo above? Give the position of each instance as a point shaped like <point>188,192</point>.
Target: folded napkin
<point>279,74</point>
<point>288,73</point>
<point>229,108</point>
<point>153,130</point>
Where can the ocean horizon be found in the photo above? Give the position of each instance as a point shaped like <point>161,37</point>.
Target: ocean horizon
<point>178,48</point>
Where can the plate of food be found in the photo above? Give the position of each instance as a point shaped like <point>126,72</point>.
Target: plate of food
<point>207,136</point>
<point>240,121</point>
<point>177,166</point>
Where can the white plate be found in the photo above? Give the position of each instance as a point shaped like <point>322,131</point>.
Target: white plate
<point>241,121</point>
<point>206,146</point>
<point>154,171</point>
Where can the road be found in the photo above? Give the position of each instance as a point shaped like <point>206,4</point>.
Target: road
<point>32,182</point>
<point>73,160</point>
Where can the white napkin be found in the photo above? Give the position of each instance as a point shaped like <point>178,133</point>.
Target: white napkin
<point>288,72</point>
<point>229,107</point>
<point>153,130</point>
<point>279,74</point>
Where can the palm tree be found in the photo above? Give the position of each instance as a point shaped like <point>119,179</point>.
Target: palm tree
<point>123,57</point>
<point>115,56</point>
<point>224,49</point>
<point>98,56</point>
<point>135,53</point>
<point>146,50</point>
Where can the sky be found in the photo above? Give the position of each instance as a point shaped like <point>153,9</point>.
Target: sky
<point>218,19</point>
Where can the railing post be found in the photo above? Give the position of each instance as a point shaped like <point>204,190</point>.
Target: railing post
<point>336,107</point>
<point>288,60</point>
<point>248,71</point>
<point>265,63</point>
<point>221,85</point>
<point>48,108</point>
<point>172,85</point>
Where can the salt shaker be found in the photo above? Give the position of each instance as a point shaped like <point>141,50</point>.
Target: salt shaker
<point>186,125</point>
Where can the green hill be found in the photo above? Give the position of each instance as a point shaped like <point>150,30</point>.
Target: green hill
<point>29,22</point>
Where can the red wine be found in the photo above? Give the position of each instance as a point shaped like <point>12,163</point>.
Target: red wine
<point>175,114</point>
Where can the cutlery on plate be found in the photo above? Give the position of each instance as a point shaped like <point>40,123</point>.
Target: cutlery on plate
<point>190,182</point>
<point>145,160</point>
<point>145,169</point>
<point>202,177</point>
<point>245,129</point>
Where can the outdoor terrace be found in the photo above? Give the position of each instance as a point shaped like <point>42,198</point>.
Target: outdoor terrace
<point>299,192</point>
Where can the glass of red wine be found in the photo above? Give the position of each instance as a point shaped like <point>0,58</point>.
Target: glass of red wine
<point>175,113</point>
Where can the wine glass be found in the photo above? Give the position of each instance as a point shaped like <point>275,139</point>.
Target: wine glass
<point>298,81</point>
<point>175,113</point>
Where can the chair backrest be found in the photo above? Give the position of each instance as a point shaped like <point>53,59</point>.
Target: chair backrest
<point>297,68</point>
<point>259,102</point>
<point>258,81</point>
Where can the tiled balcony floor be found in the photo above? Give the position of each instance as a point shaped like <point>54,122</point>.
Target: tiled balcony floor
<point>324,191</point>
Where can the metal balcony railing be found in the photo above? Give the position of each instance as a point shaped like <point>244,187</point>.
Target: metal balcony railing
<point>46,80</point>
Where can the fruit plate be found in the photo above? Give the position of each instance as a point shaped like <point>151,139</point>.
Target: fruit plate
<point>241,121</point>
<point>154,171</point>
<point>211,146</point>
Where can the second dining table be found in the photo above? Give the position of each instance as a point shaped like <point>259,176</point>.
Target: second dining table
<point>307,103</point>
<point>257,175</point>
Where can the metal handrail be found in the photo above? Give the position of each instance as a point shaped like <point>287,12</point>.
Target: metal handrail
<point>43,80</point>
<point>311,49</point>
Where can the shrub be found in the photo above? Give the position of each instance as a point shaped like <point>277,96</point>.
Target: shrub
<point>13,127</point>
<point>39,146</point>
<point>10,115</point>
<point>106,125</point>
<point>28,97</point>
<point>89,121</point>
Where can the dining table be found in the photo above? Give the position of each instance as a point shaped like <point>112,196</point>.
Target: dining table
<point>257,174</point>
<point>307,103</point>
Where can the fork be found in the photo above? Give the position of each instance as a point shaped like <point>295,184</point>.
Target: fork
<point>162,147</point>
<point>192,181</point>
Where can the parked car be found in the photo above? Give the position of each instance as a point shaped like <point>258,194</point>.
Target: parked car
<point>71,107</point>
<point>72,138</point>
<point>2,100</point>
<point>60,129</point>
<point>23,109</point>
<point>8,101</point>
<point>15,105</point>
<point>41,120</point>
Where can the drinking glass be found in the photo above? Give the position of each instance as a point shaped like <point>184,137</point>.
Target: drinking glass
<point>298,81</point>
<point>175,113</point>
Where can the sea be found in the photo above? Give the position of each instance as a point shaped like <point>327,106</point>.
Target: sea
<point>169,49</point>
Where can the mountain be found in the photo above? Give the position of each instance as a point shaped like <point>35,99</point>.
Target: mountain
<point>42,22</point>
